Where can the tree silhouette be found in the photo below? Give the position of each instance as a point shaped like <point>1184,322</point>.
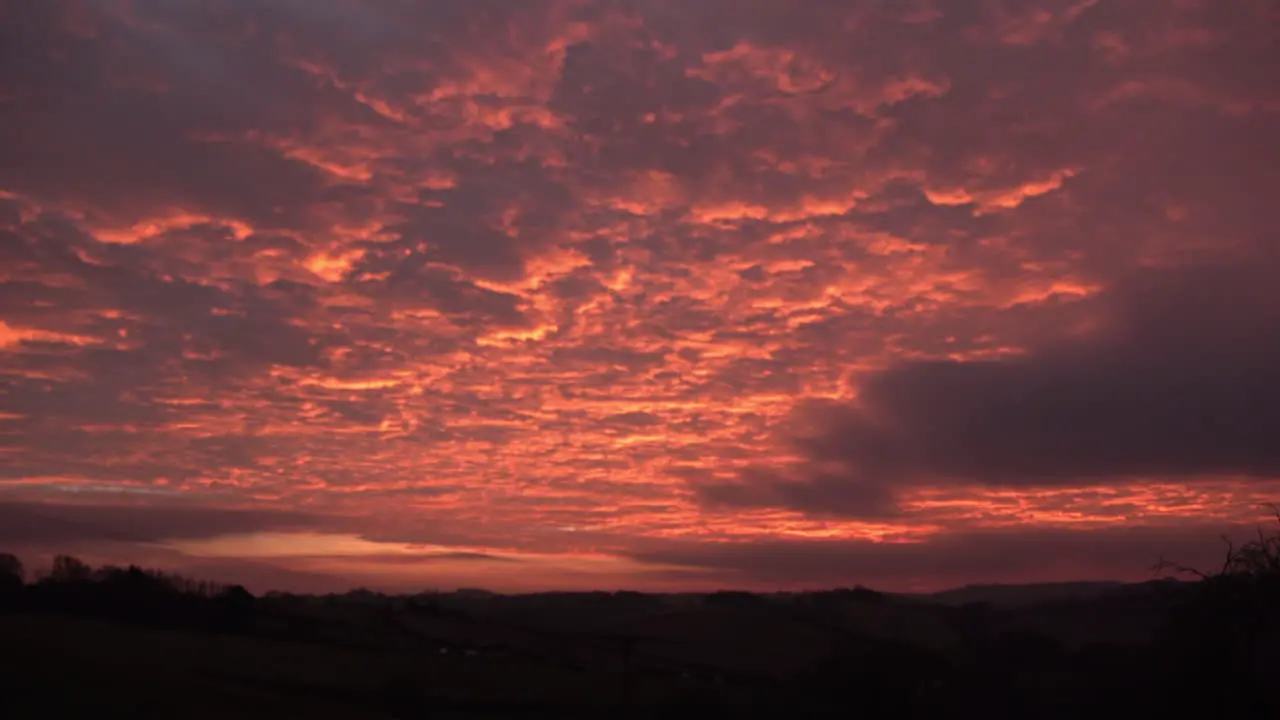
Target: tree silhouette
<point>233,609</point>
<point>68,569</point>
<point>1259,558</point>
<point>1222,635</point>
<point>11,577</point>
<point>11,568</point>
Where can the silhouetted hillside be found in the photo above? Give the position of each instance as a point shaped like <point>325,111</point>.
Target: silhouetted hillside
<point>138,643</point>
<point>1014,595</point>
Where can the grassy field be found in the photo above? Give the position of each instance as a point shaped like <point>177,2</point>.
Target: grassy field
<point>125,646</point>
<point>57,666</point>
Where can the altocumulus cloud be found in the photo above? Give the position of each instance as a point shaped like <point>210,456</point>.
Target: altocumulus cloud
<point>564,277</point>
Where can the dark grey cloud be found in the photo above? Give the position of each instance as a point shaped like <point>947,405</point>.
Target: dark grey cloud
<point>953,558</point>
<point>634,419</point>
<point>184,106</point>
<point>1180,378</point>
<point>412,283</point>
<point>425,558</point>
<point>466,226</point>
<point>48,524</point>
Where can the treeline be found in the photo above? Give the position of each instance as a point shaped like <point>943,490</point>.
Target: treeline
<point>124,593</point>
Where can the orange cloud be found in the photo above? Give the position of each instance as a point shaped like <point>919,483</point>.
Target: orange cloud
<point>556,286</point>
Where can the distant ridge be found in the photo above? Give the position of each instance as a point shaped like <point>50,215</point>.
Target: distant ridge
<point>1015,595</point>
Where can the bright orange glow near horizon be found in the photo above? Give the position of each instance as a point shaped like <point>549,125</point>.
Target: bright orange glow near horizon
<point>664,295</point>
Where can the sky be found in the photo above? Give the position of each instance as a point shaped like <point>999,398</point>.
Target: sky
<point>648,294</point>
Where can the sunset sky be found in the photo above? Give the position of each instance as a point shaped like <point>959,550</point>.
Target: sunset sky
<point>650,294</point>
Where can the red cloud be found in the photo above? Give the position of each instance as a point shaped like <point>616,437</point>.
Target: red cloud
<point>554,277</point>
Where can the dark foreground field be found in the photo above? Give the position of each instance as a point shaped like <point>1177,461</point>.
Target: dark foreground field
<point>127,643</point>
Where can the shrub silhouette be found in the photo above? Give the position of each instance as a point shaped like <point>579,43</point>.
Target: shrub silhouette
<point>1221,638</point>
